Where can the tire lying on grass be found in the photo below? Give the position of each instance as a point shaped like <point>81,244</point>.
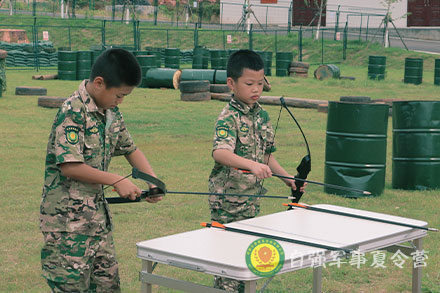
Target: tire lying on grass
<point>195,90</point>
<point>219,88</point>
<point>30,91</point>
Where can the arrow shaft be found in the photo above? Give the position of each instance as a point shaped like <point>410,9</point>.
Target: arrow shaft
<point>296,241</point>
<point>365,217</point>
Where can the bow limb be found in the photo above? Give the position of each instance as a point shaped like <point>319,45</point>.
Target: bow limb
<point>160,185</point>
<point>305,166</point>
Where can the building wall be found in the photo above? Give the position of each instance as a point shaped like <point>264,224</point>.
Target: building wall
<point>361,13</point>
<point>232,10</point>
<point>358,12</point>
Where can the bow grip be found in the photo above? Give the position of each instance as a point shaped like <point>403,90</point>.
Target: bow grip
<point>303,170</point>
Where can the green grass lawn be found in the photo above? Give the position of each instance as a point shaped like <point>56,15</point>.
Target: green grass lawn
<point>176,137</point>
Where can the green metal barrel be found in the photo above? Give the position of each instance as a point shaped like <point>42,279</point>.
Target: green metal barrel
<point>84,64</point>
<point>172,58</point>
<point>326,71</point>
<point>200,58</point>
<point>416,145</point>
<point>376,67</point>
<point>146,62</point>
<point>413,70</point>
<point>355,151</point>
<point>219,59</point>
<point>157,52</point>
<point>198,74</point>
<point>283,60</point>
<point>220,77</point>
<point>266,56</point>
<point>67,65</point>
<point>437,72</point>
<point>162,77</point>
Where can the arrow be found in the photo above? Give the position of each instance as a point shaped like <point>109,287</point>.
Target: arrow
<point>148,193</point>
<point>357,216</point>
<point>264,235</point>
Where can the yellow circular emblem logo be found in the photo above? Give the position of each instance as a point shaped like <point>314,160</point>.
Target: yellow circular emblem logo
<point>265,257</point>
<point>72,134</point>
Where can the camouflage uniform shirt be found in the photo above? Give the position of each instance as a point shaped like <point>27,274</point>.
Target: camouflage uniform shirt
<point>248,133</point>
<point>81,133</point>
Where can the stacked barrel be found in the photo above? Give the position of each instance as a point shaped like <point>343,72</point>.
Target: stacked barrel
<point>376,67</point>
<point>67,65</point>
<point>283,60</point>
<point>172,58</point>
<point>413,70</point>
<point>267,60</point>
<point>437,72</point>
<point>416,145</point>
<point>219,59</point>
<point>355,152</point>
<point>83,65</point>
<point>201,58</point>
<point>146,62</point>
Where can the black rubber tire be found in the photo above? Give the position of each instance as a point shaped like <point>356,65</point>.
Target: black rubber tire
<point>194,86</point>
<point>30,91</point>
<point>299,64</point>
<point>196,97</point>
<point>298,70</point>
<point>50,102</point>
<point>355,99</point>
<point>219,88</point>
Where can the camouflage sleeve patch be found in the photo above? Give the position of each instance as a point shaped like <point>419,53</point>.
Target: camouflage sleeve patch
<point>69,135</point>
<point>225,133</point>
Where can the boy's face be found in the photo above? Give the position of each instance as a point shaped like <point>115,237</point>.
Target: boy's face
<point>248,87</point>
<point>107,98</point>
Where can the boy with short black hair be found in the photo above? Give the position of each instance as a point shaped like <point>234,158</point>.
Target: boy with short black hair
<point>244,140</point>
<point>78,254</point>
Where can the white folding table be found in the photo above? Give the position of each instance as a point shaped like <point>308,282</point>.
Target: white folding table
<point>222,253</point>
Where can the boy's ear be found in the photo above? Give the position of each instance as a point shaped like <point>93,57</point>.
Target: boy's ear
<point>230,82</point>
<point>99,83</point>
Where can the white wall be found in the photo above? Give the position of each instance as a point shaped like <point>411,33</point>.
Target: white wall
<point>231,12</point>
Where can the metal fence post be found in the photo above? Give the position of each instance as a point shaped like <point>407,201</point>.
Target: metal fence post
<point>300,49</point>
<point>276,41</point>
<point>168,39</point>
<point>102,33</point>
<point>344,43</point>
<point>155,12</point>
<point>250,38</point>
<point>337,22</point>
<point>322,47</point>
<point>289,17</point>
<point>196,37</point>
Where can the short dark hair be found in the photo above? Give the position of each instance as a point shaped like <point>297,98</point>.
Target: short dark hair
<point>243,59</point>
<point>117,67</point>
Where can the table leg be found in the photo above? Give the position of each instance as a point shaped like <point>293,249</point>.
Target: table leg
<point>417,271</point>
<point>317,279</point>
<point>250,286</point>
<point>147,265</point>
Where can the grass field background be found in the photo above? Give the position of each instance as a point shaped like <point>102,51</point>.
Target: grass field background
<point>176,137</point>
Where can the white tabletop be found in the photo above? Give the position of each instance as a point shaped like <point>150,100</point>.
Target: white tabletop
<point>221,252</point>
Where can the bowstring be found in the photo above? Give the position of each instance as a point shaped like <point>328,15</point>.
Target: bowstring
<point>272,144</point>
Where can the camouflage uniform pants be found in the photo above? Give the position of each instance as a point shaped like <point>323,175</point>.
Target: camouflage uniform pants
<point>79,263</point>
<point>226,212</point>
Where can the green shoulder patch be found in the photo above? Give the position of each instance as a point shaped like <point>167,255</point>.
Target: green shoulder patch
<point>72,134</point>
<point>222,131</point>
